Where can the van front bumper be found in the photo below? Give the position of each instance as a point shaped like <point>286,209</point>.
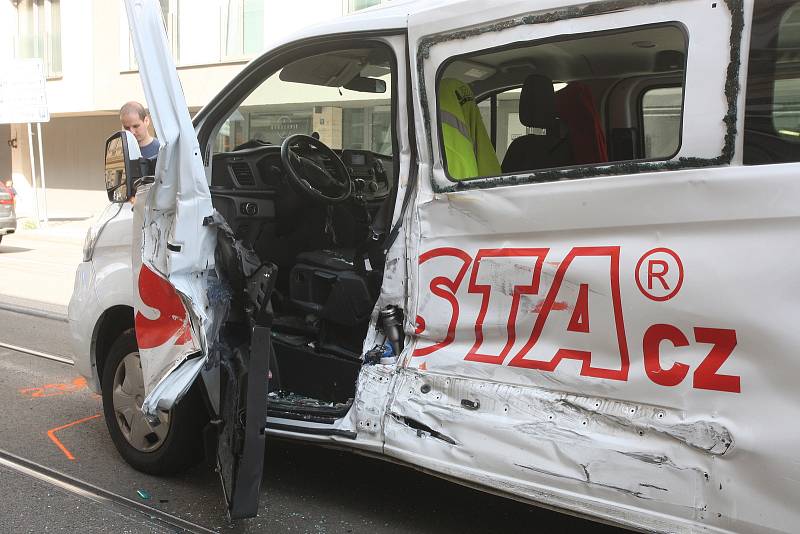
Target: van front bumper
<point>8,225</point>
<point>82,314</point>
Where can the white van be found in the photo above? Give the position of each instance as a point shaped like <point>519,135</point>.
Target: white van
<point>543,248</point>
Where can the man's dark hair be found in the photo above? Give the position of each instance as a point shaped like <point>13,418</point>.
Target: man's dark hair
<point>133,107</point>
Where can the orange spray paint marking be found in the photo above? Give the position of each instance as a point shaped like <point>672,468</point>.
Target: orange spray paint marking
<point>54,390</point>
<point>52,434</point>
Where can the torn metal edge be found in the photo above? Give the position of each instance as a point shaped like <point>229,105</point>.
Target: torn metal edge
<point>732,89</point>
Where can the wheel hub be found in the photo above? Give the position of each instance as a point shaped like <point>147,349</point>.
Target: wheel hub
<point>128,395</point>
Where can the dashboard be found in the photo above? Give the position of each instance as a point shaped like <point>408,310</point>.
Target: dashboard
<point>260,169</point>
<point>249,185</point>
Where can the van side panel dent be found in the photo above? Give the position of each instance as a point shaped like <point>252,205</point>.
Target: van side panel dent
<point>366,417</point>
<point>558,444</point>
<point>732,90</point>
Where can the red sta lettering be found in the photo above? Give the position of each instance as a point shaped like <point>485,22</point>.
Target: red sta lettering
<point>444,288</point>
<point>579,322</point>
<point>157,293</point>
<point>533,258</point>
<point>503,277</point>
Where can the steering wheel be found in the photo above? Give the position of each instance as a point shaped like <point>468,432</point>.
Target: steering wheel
<point>310,177</point>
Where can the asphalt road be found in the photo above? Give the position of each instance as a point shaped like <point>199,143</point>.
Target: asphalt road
<point>305,489</point>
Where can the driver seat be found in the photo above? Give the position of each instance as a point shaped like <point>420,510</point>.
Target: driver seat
<point>328,283</point>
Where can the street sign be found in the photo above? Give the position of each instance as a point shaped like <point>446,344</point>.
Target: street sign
<point>22,92</point>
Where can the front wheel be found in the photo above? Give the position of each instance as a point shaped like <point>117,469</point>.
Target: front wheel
<point>166,448</point>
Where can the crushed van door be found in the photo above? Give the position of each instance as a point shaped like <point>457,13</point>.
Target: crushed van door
<point>175,238</point>
<point>602,337</point>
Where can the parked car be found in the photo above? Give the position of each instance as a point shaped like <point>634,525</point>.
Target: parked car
<point>545,249</point>
<point>8,214</point>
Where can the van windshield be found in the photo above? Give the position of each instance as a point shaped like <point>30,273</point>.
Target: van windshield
<point>344,96</point>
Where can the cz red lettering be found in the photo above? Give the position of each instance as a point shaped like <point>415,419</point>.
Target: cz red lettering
<point>723,342</point>
<point>705,376</point>
<point>651,347</point>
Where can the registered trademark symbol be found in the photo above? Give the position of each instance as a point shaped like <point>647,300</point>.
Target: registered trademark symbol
<point>659,274</point>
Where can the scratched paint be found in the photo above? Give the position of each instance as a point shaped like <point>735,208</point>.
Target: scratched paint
<point>609,450</point>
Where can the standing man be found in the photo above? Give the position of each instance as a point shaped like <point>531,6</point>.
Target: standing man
<point>136,120</point>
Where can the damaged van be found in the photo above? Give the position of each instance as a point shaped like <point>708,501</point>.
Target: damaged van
<point>542,248</point>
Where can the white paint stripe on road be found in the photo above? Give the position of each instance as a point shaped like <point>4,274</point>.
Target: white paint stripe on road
<point>32,352</point>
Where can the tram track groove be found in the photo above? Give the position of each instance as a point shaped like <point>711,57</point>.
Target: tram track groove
<point>97,494</point>
<point>33,312</point>
<point>38,354</point>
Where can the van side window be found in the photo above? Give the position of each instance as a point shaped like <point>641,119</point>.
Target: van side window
<point>545,104</point>
<point>661,121</point>
<point>772,109</point>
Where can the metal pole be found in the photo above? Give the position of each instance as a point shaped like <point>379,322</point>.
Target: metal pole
<point>41,170</point>
<point>33,175</point>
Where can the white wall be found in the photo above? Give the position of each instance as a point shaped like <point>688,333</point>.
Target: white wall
<point>284,18</point>
<point>73,91</point>
<point>8,19</point>
<point>73,164</point>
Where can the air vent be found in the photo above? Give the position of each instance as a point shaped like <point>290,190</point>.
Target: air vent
<point>243,173</point>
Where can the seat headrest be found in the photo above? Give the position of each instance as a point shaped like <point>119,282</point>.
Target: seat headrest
<point>537,102</point>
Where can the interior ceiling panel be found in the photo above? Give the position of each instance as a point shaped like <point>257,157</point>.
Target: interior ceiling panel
<point>603,56</point>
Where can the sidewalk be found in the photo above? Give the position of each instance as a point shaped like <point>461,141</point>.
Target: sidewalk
<point>60,228</point>
<point>37,266</point>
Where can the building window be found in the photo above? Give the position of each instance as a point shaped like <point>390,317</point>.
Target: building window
<point>355,5</point>
<point>243,28</point>
<point>39,33</point>
<point>207,31</point>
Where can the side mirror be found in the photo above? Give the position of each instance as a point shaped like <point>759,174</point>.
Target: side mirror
<point>123,166</point>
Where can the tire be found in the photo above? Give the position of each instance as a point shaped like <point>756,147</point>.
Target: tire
<point>171,447</point>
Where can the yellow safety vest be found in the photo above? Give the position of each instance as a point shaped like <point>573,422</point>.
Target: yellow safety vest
<point>468,149</point>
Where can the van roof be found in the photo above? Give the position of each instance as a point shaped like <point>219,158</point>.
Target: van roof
<point>392,15</point>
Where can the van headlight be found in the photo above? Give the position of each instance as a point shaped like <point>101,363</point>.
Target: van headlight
<point>96,229</point>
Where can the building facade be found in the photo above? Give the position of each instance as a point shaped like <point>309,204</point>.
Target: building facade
<point>91,71</point>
